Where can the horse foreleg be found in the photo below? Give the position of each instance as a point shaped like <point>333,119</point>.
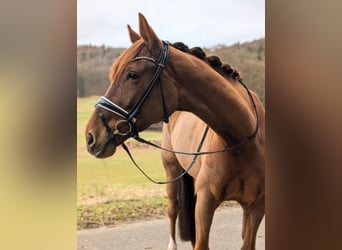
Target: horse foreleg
<point>252,218</point>
<point>172,211</point>
<point>172,169</point>
<point>204,213</point>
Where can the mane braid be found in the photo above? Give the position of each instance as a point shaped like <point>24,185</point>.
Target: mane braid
<point>214,61</point>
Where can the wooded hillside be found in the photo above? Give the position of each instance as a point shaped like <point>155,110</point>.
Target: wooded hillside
<point>93,64</point>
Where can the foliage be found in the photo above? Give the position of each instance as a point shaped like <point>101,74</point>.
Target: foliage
<point>93,65</point>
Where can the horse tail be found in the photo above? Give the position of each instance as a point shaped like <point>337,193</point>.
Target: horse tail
<point>187,201</point>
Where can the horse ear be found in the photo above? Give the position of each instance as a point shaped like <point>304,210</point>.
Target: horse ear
<point>150,38</point>
<point>134,36</point>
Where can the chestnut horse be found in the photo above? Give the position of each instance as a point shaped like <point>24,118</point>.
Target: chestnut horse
<point>151,82</point>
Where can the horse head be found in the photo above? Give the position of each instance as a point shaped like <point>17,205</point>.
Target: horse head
<point>133,100</point>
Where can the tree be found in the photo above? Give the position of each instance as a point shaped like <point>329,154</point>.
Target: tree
<point>80,86</point>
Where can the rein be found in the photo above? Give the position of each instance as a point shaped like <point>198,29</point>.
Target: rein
<point>132,131</point>
<point>178,177</point>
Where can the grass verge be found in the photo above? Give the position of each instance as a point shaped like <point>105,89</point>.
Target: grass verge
<point>117,212</point>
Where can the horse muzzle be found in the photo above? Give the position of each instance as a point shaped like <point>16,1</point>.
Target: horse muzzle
<point>100,147</point>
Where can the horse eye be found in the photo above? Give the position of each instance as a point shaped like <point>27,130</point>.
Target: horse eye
<point>133,76</point>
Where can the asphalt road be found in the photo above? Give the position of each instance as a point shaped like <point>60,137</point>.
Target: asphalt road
<point>225,234</point>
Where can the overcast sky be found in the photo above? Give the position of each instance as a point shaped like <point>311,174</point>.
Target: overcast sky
<point>194,22</point>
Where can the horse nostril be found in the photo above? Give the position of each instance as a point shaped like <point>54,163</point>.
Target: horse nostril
<point>90,139</point>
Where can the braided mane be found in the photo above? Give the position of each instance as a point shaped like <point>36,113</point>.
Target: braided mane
<point>214,61</point>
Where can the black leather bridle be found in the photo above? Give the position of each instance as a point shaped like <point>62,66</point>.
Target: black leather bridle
<point>129,117</point>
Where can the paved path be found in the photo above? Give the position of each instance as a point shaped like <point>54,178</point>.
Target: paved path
<point>225,234</point>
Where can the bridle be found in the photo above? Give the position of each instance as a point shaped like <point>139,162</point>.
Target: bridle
<point>129,117</point>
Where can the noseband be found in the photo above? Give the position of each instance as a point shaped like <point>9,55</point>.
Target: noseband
<point>127,126</point>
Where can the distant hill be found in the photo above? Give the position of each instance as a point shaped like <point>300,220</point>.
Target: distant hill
<point>93,65</point>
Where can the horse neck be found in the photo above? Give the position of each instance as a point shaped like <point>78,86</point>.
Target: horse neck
<point>208,95</point>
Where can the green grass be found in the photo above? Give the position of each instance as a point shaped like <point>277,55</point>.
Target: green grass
<point>112,190</point>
